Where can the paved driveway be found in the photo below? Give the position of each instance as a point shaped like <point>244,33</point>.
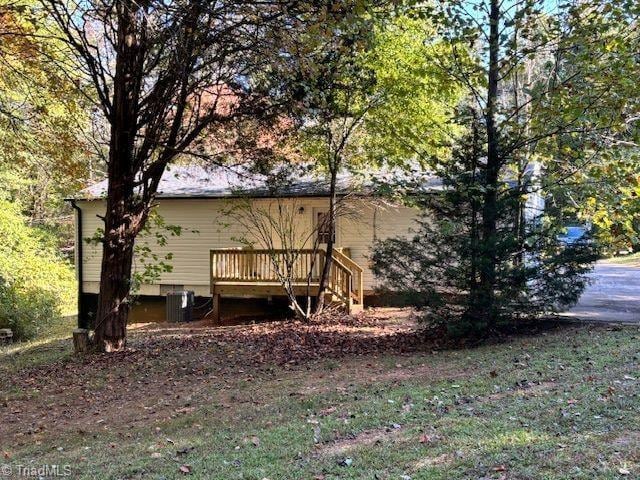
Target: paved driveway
<point>614,295</point>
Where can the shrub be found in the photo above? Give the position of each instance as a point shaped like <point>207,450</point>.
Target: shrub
<point>36,284</point>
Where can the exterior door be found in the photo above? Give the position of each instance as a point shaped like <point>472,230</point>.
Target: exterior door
<point>322,226</point>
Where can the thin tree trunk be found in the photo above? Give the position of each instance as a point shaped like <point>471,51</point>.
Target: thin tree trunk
<point>519,225</point>
<point>483,299</point>
<point>326,269</point>
<point>522,116</point>
<point>475,241</point>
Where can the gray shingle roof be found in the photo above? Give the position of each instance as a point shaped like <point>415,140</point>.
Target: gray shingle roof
<point>196,181</point>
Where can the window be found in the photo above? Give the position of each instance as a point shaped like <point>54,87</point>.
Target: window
<point>323,226</point>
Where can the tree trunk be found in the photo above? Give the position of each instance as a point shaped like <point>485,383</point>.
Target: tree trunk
<point>326,269</point>
<point>115,280</point>
<point>113,303</point>
<point>125,215</point>
<point>81,340</point>
<point>519,221</point>
<point>474,227</point>
<point>482,307</point>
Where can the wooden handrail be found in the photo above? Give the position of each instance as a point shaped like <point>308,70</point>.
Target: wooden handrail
<point>300,266</point>
<point>258,265</point>
<point>340,281</point>
<point>262,250</point>
<point>358,273</point>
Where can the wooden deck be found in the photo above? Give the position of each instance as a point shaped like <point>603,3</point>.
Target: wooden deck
<point>251,272</point>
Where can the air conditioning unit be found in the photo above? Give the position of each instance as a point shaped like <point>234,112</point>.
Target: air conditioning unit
<point>180,306</point>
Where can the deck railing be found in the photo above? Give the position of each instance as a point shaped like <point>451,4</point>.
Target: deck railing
<point>263,266</point>
<point>249,265</point>
<point>357,287</point>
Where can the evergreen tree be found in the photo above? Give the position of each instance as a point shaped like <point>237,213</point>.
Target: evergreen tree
<point>438,269</point>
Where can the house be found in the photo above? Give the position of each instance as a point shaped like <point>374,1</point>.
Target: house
<point>224,249</point>
<point>236,227</point>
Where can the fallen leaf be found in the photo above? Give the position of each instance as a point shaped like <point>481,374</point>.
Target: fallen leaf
<point>186,469</point>
<point>425,438</point>
<point>327,411</point>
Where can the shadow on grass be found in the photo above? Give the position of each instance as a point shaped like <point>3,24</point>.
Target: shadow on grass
<point>51,345</point>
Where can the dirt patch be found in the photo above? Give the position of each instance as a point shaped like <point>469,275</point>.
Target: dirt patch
<point>342,446</point>
<point>442,459</point>
<point>629,440</point>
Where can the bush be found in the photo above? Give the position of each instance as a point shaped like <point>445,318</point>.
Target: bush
<point>36,284</point>
<point>432,270</point>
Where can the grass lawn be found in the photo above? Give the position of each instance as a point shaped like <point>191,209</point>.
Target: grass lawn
<point>53,344</point>
<point>341,400</point>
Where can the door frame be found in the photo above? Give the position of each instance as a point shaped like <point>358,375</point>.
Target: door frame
<point>315,211</point>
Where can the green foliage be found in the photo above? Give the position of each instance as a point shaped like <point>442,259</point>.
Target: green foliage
<point>43,157</point>
<point>376,93</point>
<point>438,268</point>
<point>412,117</point>
<point>44,154</point>
<point>592,167</point>
<point>150,265</point>
<point>36,285</point>
<point>432,271</point>
<point>606,194</point>
<point>548,89</point>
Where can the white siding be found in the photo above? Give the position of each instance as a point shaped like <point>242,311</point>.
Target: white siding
<point>366,222</point>
<point>208,224</point>
<point>91,253</point>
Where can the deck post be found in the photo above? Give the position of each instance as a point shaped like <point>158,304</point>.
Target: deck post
<point>216,308</point>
